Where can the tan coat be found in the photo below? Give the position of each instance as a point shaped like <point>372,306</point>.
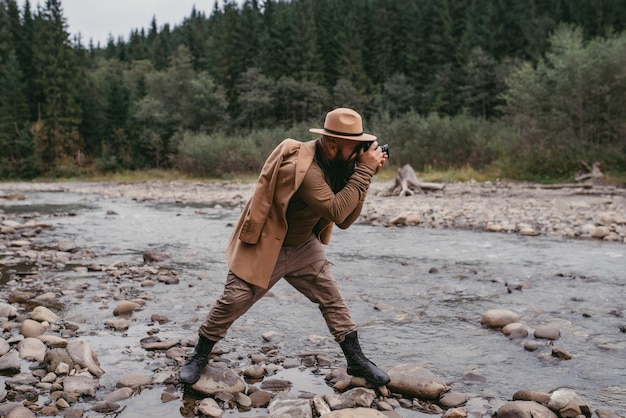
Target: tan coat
<point>258,237</point>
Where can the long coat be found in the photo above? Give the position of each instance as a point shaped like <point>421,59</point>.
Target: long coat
<point>259,235</point>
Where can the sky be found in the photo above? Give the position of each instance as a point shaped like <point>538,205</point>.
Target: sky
<point>97,19</point>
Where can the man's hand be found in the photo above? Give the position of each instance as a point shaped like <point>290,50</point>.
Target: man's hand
<point>373,157</point>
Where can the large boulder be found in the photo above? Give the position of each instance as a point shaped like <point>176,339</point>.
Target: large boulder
<point>416,382</point>
<point>524,409</point>
<point>217,377</point>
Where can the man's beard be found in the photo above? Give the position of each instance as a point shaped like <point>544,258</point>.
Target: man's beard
<point>339,171</point>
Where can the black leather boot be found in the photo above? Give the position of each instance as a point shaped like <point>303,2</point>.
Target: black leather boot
<point>359,365</point>
<point>191,371</point>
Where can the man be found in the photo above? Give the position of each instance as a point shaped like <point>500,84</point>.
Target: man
<point>303,189</point>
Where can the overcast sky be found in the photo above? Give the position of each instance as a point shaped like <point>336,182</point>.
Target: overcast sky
<point>97,19</point>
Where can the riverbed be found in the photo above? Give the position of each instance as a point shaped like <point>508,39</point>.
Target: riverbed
<point>416,293</point>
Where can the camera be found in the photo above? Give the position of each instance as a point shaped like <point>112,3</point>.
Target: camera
<point>383,148</point>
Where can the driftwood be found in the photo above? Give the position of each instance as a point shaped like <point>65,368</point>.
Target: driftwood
<point>407,184</point>
<point>593,173</point>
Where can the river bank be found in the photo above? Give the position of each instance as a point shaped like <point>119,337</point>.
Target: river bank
<point>583,212</point>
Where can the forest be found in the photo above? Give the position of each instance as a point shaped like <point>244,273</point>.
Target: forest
<point>525,89</point>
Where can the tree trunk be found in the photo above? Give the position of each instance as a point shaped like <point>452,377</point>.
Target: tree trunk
<point>407,184</point>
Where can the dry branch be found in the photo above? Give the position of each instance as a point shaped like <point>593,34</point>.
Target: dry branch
<point>407,184</point>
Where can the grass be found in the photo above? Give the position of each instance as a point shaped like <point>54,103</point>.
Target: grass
<point>430,174</point>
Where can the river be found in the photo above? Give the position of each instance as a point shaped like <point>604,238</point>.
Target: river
<point>417,295</point>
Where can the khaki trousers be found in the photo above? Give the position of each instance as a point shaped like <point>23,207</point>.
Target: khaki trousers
<point>306,268</point>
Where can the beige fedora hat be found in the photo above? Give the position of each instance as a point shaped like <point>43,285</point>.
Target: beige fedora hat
<point>344,123</point>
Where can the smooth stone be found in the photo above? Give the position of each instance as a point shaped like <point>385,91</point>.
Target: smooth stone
<point>134,380</point>
<point>120,394</point>
<point>416,381</point>
<point>43,314</point>
<point>455,413</point>
<point>32,329</point>
<point>4,347</point>
<point>452,399</point>
<point>210,408</point>
<point>524,409</point>
<point>356,413</point>
<point>530,395</point>
<point>547,332</point>
<point>125,307</point>
<point>53,341</point>
<point>260,398</point>
<point>32,349</point>
<point>56,356</point>
<point>498,318</point>
<point>21,412</point>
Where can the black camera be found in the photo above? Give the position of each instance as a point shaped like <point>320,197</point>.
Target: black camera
<point>383,148</point>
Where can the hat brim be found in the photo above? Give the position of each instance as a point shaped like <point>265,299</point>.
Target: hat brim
<point>363,137</point>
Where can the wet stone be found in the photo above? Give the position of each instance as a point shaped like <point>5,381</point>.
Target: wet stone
<point>416,382</point>
<point>547,332</point>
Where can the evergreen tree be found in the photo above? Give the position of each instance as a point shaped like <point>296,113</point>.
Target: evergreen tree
<point>59,81</point>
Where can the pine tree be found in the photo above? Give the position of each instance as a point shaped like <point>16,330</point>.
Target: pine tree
<point>58,80</point>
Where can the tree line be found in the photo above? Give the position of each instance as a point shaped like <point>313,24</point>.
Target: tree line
<point>527,86</point>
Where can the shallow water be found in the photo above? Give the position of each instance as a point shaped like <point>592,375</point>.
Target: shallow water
<point>431,286</point>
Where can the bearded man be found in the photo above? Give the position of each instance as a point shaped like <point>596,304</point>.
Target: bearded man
<point>303,190</point>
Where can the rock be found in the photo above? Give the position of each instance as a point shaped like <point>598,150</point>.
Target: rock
<point>260,398</point>
<point>7,311</point>
<point>524,409</point>
<point>243,400</point>
<point>498,318</point>
<point>455,413</point>
<point>416,382</point>
<point>53,341</point>
<point>210,408</point>
<point>118,324</point>
<point>125,307</point>
<point>529,395</point>
<point>547,332</point>
<point>10,362</point>
<point>82,354</point>
<point>276,384</point>
<point>300,408</point>
<point>452,399</point>
<point>356,413</point>
<point>120,394</point>
<point>82,385</point>
<point>32,349</point>
<point>159,345</point>
<point>600,232</point>
<point>4,347</point>
<point>21,412</point>
<point>106,407</point>
<point>566,403</point>
<point>532,345</point>
<point>134,380</point>
<point>32,329</point>
<point>43,314</point>
<point>515,330</point>
<point>169,397</point>
<point>321,407</point>
<point>562,353</point>
<point>254,371</point>
<point>217,377</point>
<point>56,356</point>
<point>360,396</point>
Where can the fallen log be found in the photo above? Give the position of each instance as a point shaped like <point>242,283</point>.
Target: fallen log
<point>407,183</point>
<point>593,173</point>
